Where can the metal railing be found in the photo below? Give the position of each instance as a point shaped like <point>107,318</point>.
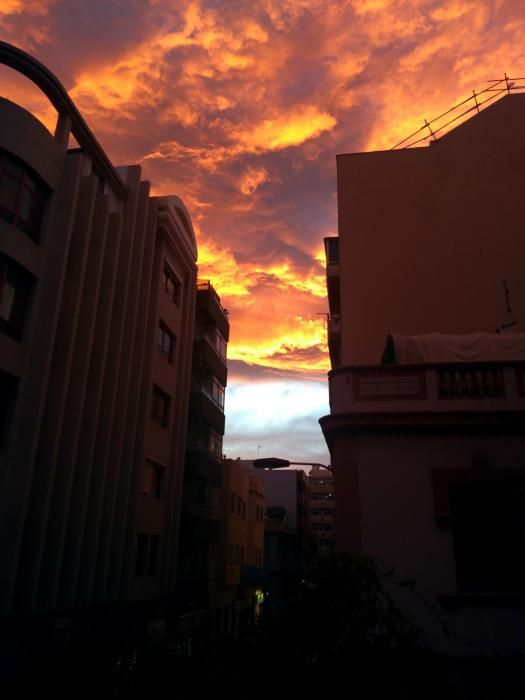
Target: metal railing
<point>203,285</point>
<point>439,125</point>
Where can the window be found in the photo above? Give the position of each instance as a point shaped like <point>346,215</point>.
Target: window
<point>15,288</point>
<point>8,386</point>
<point>22,196</point>
<point>165,341</point>
<point>153,555</point>
<point>147,554</point>
<point>152,482</point>
<point>141,554</point>
<point>487,530</point>
<point>160,406</point>
<point>218,392</point>
<point>332,249</point>
<point>172,284</point>
<point>220,345</point>
<point>215,443</point>
<point>322,496</point>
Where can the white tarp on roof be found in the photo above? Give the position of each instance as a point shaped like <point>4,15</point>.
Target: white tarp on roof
<point>475,347</point>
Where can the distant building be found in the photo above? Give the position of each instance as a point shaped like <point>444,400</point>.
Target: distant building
<point>241,545</point>
<point>321,509</point>
<point>97,307</point>
<point>428,448</point>
<point>287,544</point>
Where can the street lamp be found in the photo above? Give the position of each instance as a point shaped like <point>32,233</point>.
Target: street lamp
<point>278,463</point>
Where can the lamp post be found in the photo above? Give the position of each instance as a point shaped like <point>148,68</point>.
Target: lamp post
<point>278,463</point>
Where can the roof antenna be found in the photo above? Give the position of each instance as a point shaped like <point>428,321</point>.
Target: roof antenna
<point>511,324</point>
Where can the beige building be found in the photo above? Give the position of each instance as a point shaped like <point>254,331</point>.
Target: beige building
<point>240,547</point>
<point>97,306</point>
<point>428,447</point>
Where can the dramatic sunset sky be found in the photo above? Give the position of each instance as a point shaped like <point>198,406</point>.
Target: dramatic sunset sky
<point>240,108</point>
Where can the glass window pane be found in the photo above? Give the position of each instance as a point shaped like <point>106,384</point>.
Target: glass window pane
<point>8,195</point>
<point>6,301</point>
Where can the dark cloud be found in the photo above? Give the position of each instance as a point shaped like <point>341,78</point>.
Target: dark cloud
<point>239,371</point>
<point>266,248</point>
<point>289,353</point>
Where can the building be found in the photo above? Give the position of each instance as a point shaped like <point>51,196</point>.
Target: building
<point>426,236</point>
<point>97,308</point>
<point>428,449</point>
<point>200,516</point>
<point>240,550</point>
<point>287,543</point>
<point>321,509</point>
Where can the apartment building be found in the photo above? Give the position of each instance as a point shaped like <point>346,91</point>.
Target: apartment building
<point>321,509</point>
<point>97,309</point>
<point>427,446</point>
<point>203,471</point>
<point>240,550</point>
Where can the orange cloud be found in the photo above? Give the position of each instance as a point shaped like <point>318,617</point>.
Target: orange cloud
<point>282,131</point>
<point>252,179</point>
<point>16,7</point>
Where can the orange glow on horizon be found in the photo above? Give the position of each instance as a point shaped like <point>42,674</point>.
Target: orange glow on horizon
<point>242,110</point>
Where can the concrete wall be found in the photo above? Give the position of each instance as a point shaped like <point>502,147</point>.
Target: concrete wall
<point>428,234</point>
<point>386,509</point>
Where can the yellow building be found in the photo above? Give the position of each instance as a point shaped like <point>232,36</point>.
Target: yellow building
<point>240,547</point>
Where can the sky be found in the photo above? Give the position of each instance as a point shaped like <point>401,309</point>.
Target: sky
<point>240,109</point>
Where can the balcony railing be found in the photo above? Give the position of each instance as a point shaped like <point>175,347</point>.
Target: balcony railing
<point>471,383</point>
<point>436,387</point>
<point>206,285</point>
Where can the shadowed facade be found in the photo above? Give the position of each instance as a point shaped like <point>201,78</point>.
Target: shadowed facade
<point>97,308</point>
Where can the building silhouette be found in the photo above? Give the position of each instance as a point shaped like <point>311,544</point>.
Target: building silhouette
<point>428,445</point>
<point>321,509</point>
<point>97,310</point>
<point>203,471</point>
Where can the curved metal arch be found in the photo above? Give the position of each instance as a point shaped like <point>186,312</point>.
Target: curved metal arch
<point>55,92</point>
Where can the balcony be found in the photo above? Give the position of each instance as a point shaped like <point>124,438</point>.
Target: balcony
<point>202,406</point>
<point>200,526</point>
<point>209,305</point>
<point>332,273</point>
<point>454,387</point>
<point>206,358</point>
<point>201,465</point>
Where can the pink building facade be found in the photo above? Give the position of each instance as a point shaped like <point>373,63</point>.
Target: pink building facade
<point>429,455</point>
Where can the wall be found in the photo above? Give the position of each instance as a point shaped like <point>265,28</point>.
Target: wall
<point>428,234</point>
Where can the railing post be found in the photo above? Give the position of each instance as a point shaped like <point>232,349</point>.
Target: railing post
<point>430,129</point>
